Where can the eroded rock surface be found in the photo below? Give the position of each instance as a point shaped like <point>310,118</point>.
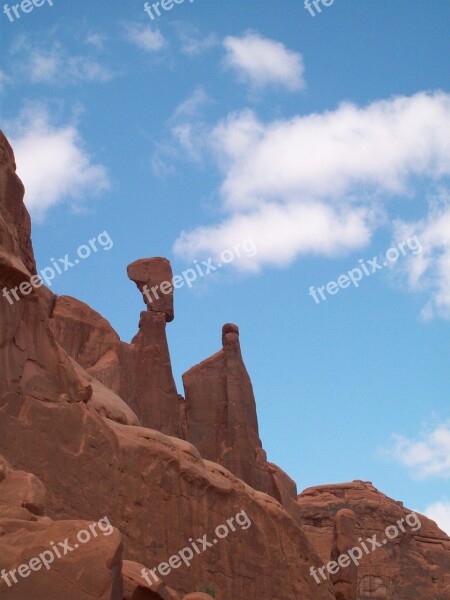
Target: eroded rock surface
<point>155,489</point>
<point>222,421</point>
<point>90,571</point>
<point>413,566</point>
<point>136,588</point>
<point>345,581</point>
<point>140,372</point>
<point>76,407</point>
<point>153,277</point>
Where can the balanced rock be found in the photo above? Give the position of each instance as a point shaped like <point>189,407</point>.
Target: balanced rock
<point>82,455</point>
<point>139,374</point>
<point>153,277</point>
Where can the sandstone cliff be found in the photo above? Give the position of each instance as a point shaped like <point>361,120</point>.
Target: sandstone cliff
<point>414,564</point>
<point>92,427</point>
<point>93,458</point>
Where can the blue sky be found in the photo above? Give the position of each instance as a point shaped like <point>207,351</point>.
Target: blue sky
<point>323,139</point>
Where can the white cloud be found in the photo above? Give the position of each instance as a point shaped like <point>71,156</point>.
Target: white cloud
<point>427,456</point>
<point>161,167</point>
<point>96,39</point>
<point>263,62</point>
<point>440,513</point>
<point>281,233</point>
<point>194,44</point>
<point>430,272</point>
<point>192,104</point>
<point>327,154</point>
<point>186,138</point>
<point>53,163</point>
<point>342,165</point>
<point>44,66</point>
<point>55,66</point>
<point>84,69</point>
<point>145,38</point>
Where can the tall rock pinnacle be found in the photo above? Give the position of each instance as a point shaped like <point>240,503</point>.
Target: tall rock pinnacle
<point>223,424</point>
<point>140,372</point>
<point>345,581</point>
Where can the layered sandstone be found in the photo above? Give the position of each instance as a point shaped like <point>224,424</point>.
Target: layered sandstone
<point>155,489</point>
<point>345,581</point>
<point>88,571</point>
<point>139,372</point>
<point>222,422</point>
<point>153,277</point>
<point>84,424</point>
<point>412,566</point>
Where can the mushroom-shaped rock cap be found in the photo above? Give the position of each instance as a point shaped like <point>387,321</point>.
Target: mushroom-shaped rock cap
<point>153,277</point>
<point>230,328</point>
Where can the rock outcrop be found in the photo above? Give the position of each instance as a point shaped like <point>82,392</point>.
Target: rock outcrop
<point>345,581</point>
<point>413,565</point>
<point>153,277</point>
<point>139,372</point>
<point>136,588</point>
<point>222,422</point>
<point>93,428</point>
<point>41,558</point>
<point>155,489</point>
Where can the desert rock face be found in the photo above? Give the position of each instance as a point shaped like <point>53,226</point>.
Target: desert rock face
<point>222,422</point>
<point>93,427</point>
<point>136,588</point>
<point>345,581</point>
<point>96,564</point>
<point>84,334</point>
<point>139,372</point>
<point>413,565</point>
<point>221,412</point>
<point>94,459</point>
<point>153,277</point>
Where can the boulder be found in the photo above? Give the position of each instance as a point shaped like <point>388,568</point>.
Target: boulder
<point>153,277</point>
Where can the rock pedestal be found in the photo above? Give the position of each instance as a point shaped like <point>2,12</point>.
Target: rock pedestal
<point>140,372</point>
<point>345,581</point>
<point>73,452</point>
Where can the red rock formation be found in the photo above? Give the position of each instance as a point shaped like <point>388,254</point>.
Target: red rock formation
<point>345,581</point>
<point>222,421</point>
<point>139,372</point>
<point>84,333</point>
<point>155,489</point>
<point>74,452</point>
<point>153,277</point>
<point>136,588</point>
<point>22,494</point>
<point>413,566</point>
<point>91,570</point>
